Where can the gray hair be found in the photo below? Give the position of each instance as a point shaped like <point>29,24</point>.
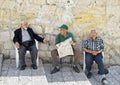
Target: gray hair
<point>23,21</point>
<point>94,30</point>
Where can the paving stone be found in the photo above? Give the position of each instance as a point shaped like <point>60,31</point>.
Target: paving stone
<point>1,62</point>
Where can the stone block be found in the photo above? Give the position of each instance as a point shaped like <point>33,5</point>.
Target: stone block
<point>6,53</point>
<point>19,1</point>
<point>113,3</point>
<point>43,47</point>
<point>45,56</point>
<point>41,53</point>
<point>51,48</point>
<point>113,14</point>
<point>12,53</point>
<point>1,47</point>
<point>38,1</point>
<point>4,36</point>
<point>37,29</point>
<point>53,2</point>
<point>8,45</point>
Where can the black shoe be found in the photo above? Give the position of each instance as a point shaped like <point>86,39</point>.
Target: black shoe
<point>23,67</point>
<point>104,81</point>
<point>34,66</point>
<point>55,70</point>
<point>105,70</point>
<point>89,74</point>
<point>76,69</point>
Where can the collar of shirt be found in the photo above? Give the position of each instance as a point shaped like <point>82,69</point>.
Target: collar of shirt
<point>24,28</point>
<point>95,39</point>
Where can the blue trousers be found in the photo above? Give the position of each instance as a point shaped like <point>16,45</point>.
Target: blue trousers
<point>89,58</point>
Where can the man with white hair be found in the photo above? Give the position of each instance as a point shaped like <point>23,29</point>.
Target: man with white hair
<point>24,39</point>
<point>93,48</point>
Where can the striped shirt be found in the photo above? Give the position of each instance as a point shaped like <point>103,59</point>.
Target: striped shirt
<point>93,45</point>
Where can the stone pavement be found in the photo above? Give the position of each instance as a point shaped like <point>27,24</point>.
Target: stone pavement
<point>12,76</point>
<point>1,59</point>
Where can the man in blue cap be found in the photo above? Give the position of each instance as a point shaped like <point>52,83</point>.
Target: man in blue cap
<point>62,36</point>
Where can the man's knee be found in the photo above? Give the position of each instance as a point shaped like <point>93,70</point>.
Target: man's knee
<point>89,62</point>
<point>35,50</point>
<point>21,50</point>
<point>54,53</point>
<point>98,59</point>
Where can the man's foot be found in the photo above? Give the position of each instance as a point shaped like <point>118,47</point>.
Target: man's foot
<point>76,69</point>
<point>104,81</point>
<point>89,75</point>
<point>34,66</point>
<point>55,70</point>
<point>23,67</point>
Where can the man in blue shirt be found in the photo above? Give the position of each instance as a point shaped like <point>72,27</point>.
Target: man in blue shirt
<point>93,48</point>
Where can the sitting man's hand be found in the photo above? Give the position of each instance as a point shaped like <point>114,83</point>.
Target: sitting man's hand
<point>72,43</point>
<point>17,45</point>
<point>56,47</point>
<point>45,41</point>
<point>95,52</point>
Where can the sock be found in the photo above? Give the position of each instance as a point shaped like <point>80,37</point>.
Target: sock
<point>103,76</point>
<point>57,67</point>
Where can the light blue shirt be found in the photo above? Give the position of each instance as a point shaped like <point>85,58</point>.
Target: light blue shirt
<point>25,35</point>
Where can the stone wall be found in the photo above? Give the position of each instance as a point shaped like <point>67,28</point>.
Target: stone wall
<point>45,16</point>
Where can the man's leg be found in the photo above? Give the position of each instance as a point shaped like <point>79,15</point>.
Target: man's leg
<point>76,58</point>
<point>54,55</point>
<point>33,51</point>
<point>89,62</point>
<point>98,60</point>
<point>22,52</point>
<point>76,54</point>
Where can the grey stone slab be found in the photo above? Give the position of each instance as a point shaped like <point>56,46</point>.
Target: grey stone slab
<point>40,71</point>
<point>1,60</point>
<point>57,77</point>
<point>47,69</point>
<point>66,68</point>
<point>112,81</point>
<point>10,81</point>
<point>37,80</point>
<point>38,76</point>
<point>4,73</point>
<point>114,73</point>
<point>81,78</point>
<point>68,76</point>
<point>95,80</point>
<point>6,64</point>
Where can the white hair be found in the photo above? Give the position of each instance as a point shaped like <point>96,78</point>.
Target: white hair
<point>23,21</point>
<point>94,30</point>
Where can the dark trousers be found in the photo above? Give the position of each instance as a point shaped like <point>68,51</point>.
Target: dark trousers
<point>89,58</point>
<point>76,51</point>
<point>22,51</point>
